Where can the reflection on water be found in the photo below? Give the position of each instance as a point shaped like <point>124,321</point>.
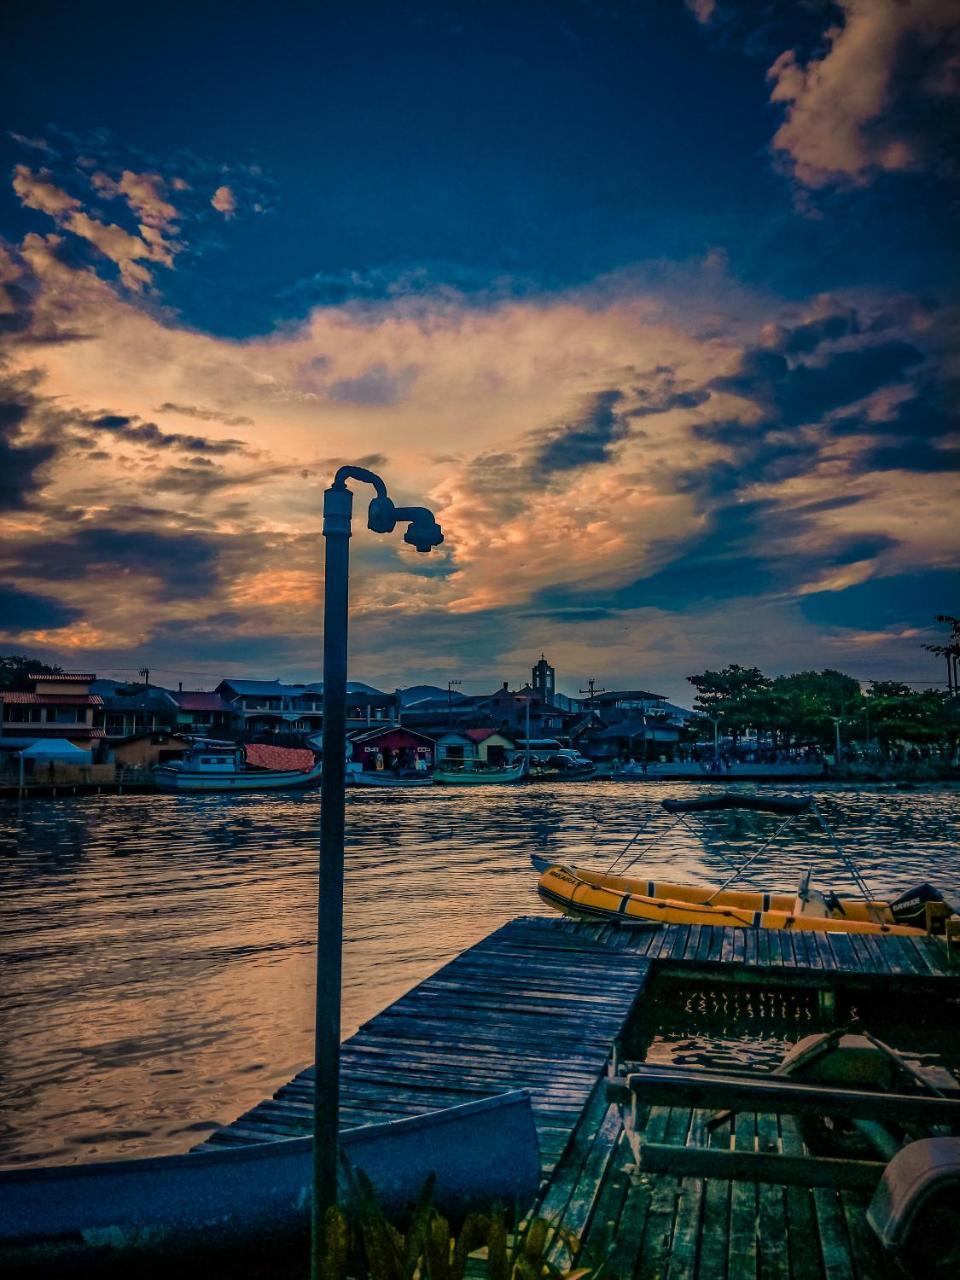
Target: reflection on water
<point>157,951</point>
<point>736,1027</point>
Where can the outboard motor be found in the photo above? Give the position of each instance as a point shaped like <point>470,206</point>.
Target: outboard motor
<point>911,907</point>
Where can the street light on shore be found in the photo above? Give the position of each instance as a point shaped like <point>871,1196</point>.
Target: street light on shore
<point>423,533</point>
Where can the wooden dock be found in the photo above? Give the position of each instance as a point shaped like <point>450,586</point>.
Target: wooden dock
<point>540,1004</point>
<point>529,1007</point>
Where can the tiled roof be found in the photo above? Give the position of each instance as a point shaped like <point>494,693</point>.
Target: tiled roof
<point>382,730</point>
<point>266,756</point>
<point>480,735</point>
<point>64,675</point>
<point>61,731</point>
<point>272,688</point>
<point>52,699</point>
<point>195,700</point>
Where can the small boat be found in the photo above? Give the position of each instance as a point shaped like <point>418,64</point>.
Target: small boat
<point>223,767</point>
<point>562,767</point>
<point>85,1217</point>
<point>385,778</point>
<point>631,899</point>
<point>473,775</point>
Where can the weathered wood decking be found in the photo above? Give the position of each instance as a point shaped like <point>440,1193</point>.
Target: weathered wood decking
<point>530,1006</point>
<point>538,1004</point>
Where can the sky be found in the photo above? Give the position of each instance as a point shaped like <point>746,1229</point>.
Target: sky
<point>653,304</point>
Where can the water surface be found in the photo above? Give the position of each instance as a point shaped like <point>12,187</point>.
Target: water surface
<point>158,950</point>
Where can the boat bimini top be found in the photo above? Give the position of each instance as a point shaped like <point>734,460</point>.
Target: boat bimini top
<point>614,894</point>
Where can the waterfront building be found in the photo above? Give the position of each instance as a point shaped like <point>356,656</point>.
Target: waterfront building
<point>545,680</point>
<point>625,723</point>
<point>132,710</point>
<point>199,712</point>
<point>493,747</point>
<point>268,706</point>
<point>390,746</point>
<point>59,706</point>
<point>148,748</point>
<point>454,747</point>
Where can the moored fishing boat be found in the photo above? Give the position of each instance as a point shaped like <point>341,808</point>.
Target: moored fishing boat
<point>384,779</point>
<point>224,767</point>
<point>471,775</point>
<point>633,899</point>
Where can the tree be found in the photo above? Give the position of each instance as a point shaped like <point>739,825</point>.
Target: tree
<point>17,672</point>
<point>950,651</point>
<point>728,696</point>
<point>899,714</point>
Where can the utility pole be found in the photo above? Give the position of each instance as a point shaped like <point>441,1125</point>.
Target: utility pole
<point>144,674</point>
<point>450,688</point>
<point>592,690</point>
<point>423,533</point>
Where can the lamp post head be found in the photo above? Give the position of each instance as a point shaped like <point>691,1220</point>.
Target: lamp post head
<point>424,534</point>
<point>383,516</point>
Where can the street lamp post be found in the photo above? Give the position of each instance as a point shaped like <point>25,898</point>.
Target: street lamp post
<point>423,533</point>
<point>836,730</point>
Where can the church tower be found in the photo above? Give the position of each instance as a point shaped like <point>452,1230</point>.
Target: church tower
<point>544,679</point>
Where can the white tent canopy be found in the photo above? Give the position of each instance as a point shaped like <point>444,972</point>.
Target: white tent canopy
<point>56,749</point>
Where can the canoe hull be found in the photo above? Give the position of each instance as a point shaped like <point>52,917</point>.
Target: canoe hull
<point>220,1199</point>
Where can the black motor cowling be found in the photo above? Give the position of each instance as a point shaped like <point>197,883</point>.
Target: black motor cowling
<point>911,907</point>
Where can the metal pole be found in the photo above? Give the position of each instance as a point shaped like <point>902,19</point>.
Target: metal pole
<point>716,747</point>
<point>337,510</point>
<point>836,725</point>
<point>526,755</point>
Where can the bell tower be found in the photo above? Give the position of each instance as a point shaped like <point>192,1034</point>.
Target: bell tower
<point>544,679</point>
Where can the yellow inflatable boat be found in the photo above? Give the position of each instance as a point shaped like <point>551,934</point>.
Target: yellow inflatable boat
<point>625,898</point>
<point>615,895</point>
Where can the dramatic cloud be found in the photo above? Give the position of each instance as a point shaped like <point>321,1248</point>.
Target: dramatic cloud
<point>22,462</point>
<point>864,105</point>
<point>376,385</point>
<point>143,193</point>
<point>25,611</point>
<point>150,435</point>
<point>589,440</point>
<point>126,250</point>
<point>224,201</point>
<point>37,192</point>
<point>603,459</point>
<point>205,415</point>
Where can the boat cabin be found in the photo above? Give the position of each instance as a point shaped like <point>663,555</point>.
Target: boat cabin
<point>213,758</point>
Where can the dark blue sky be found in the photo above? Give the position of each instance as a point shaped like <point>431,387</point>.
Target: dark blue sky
<point>524,147</point>
<point>681,273</point>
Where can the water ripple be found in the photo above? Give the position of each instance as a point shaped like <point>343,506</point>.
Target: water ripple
<point>158,951</point>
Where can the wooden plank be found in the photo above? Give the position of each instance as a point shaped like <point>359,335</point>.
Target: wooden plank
<point>630,1228</point>
<point>681,1086</point>
<point>827,962</point>
<point>771,1209</point>
<point>801,1239</point>
<point>685,1246</point>
<point>715,1217</point>
<point>662,1212</point>
<point>742,1240</point>
<point>761,1166</point>
<point>834,1241</point>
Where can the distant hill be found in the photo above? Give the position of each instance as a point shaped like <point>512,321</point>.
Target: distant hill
<point>423,692</point>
